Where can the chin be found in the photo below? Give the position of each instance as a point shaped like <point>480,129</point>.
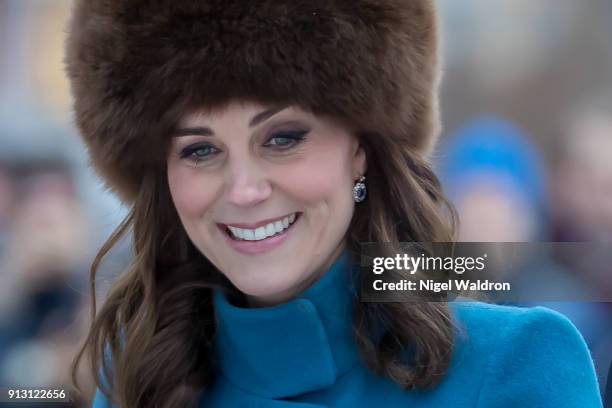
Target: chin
<point>265,284</point>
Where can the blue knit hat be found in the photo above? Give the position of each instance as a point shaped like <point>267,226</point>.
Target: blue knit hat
<point>494,148</point>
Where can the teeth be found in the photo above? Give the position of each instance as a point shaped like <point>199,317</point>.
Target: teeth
<point>249,235</point>
<point>262,232</point>
<point>278,226</point>
<point>237,232</point>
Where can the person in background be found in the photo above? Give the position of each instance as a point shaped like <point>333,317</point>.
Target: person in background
<point>45,258</point>
<point>500,185</point>
<point>582,191</point>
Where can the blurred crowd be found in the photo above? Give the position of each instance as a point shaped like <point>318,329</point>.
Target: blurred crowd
<point>525,155</point>
<point>43,257</point>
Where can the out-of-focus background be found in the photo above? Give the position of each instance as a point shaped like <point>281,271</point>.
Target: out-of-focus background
<point>525,155</point>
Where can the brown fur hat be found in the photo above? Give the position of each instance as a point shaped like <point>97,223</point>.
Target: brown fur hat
<point>137,66</point>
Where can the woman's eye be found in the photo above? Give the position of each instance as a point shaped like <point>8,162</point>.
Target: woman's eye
<point>286,140</point>
<point>198,153</point>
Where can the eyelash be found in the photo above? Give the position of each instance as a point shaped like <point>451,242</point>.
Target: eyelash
<point>297,138</point>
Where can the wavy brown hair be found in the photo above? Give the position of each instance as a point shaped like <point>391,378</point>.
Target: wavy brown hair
<point>151,339</point>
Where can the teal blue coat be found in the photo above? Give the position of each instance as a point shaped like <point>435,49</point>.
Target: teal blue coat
<point>301,354</point>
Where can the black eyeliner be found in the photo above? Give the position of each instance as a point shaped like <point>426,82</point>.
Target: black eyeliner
<point>298,136</point>
<point>189,150</point>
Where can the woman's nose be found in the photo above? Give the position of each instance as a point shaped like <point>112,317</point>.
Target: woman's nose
<point>246,185</point>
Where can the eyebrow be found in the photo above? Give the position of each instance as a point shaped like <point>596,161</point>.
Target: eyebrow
<point>206,131</point>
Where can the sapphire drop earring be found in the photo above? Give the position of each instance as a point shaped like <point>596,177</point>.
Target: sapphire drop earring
<point>359,190</point>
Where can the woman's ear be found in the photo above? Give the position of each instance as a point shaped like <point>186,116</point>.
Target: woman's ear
<point>359,159</point>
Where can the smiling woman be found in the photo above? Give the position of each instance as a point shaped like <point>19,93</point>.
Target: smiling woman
<point>261,166</point>
<point>258,144</point>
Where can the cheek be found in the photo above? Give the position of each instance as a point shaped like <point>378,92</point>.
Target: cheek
<point>323,178</point>
<point>321,183</point>
<point>192,194</point>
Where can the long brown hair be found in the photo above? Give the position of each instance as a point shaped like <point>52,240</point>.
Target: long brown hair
<point>151,338</point>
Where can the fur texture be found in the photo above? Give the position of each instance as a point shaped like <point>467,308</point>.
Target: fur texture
<point>137,66</point>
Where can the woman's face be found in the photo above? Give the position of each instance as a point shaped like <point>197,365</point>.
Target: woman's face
<point>265,193</point>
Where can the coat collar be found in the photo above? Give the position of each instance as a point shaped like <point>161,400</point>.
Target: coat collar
<point>296,347</point>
